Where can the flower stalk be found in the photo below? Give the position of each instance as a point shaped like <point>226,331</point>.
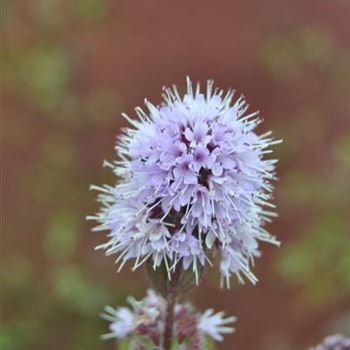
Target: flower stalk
<point>169,324</point>
<point>170,309</point>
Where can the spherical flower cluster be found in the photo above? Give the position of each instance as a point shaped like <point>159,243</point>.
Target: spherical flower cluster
<point>193,179</point>
<point>144,323</point>
<point>334,342</point>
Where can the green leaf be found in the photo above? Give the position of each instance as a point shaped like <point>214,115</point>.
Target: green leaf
<point>209,344</point>
<point>124,345</point>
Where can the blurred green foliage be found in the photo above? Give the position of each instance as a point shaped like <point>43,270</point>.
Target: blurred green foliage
<point>319,261</point>
<point>90,10</point>
<point>42,13</point>
<point>307,262</point>
<point>307,45</point>
<point>50,298</point>
<point>61,238</point>
<point>74,288</point>
<point>341,151</point>
<point>41,75</point>
<point>39,308</point>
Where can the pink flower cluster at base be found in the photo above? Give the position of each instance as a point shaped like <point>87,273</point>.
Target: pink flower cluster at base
<point>144,321</point>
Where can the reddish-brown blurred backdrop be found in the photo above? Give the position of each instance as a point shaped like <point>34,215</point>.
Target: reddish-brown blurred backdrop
<point>71,68</point>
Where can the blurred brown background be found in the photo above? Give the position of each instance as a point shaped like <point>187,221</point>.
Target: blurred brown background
<point>71,68</point>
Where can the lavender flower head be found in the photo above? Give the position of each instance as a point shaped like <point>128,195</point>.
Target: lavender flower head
<point>193,179</point>
<point>334,342</point>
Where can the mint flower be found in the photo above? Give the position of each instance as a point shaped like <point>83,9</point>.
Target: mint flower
<point>334,342</point>
<point>123,322</point>
<point>193,179</point>
<point>215,325</point>
<point>144,322</point>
